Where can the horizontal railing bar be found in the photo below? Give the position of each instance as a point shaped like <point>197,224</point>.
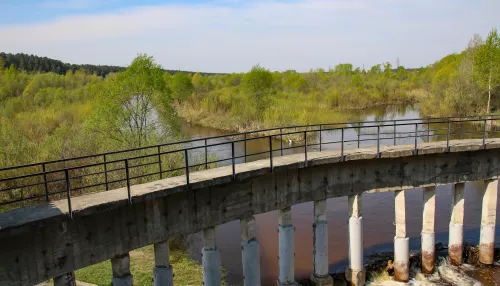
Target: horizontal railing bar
<point>490,117</point>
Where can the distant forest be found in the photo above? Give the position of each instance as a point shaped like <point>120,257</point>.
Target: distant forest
<point>32,63</point>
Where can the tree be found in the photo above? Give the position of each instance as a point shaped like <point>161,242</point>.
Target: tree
<point>126,107</point>
<point>258,84</point>
<point>487,65</point>
<point>181,86</point>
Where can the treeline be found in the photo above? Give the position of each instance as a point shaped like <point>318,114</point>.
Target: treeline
<point>32,63</point>
<point>467,83</point>
<point>262,98</point>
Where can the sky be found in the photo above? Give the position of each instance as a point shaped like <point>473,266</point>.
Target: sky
<point>234,35</point>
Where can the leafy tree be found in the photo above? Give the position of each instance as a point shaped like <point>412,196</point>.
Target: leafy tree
<point>126,107</point>
<point>487,64</point>
<point>181,86</point>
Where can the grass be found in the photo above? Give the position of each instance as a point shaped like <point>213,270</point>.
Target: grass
<point>186,270</point>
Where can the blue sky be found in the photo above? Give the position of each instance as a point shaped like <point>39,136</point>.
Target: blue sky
<point>234,35</point>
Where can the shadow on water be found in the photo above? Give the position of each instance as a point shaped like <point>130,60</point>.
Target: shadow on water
<point>378,216</point>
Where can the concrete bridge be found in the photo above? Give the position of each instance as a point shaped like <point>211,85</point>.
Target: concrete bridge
<point>55,238</point>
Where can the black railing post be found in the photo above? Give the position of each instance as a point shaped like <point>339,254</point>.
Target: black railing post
<point>281,142</point>
<point>448,137</point>
<point>45,183</point>
<point>416,138</point>
<point>245,147</point>
<point>305,148</point>
<point>428,129</point>
<point>68,192</point>
<point>206,155</point>
<point>378,141</point>
<point>271,153</point>
<point>342,145</point>
<point>159,163</point>
<point>394,133</point>
<point>484,134</point>
<point>106,172</point>
<point>320,138</point>
<point>127,174</point>
<point>359,133</point>
<point>233,160</point>
<point>186,164</point>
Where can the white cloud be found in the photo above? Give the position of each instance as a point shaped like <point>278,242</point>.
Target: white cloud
<point>277,34</point>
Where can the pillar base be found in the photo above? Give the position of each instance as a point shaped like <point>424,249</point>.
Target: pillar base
<point>163,276</point>
<point>321,281</point>
<point>251,262</point>
<point>428,252</point>
<point>455,245</point>
<point>211,267</point>
<point>67,279</point>
<point>487,244</point>
<point>288,284</point>
<point>401,259</point>
<point>355,277</point>
<point>123,281</point>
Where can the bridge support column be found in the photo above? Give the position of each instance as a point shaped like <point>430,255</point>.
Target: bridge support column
<point>428,236</point>
<point>286,249</point>
<point>401,242</point>
<point>455,242</point>
<point>355,274</point>
<point>320,276</point>
<point>488,221</point>
<point>162,273</point>
<point>210,259</point>
<point>250,254</point>
<point>121,270</point>
<point>67,279</point>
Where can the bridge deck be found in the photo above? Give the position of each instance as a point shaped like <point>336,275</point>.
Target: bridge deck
<point>102,201</point>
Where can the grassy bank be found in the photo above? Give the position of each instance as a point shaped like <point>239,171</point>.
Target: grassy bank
<point>187,271</point>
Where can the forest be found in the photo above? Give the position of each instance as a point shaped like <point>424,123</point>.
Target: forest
<point>46,113</point>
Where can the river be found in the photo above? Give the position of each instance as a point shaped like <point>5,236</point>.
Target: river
<point>378,216</point>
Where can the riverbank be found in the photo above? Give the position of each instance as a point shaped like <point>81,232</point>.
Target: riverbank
<point>225,122</point>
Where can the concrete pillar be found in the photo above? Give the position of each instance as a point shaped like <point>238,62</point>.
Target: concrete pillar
<point>320,276</point>
<point>401,242</point>
<point>455,243</point>
<point>67,279</point>
<point>250,254</point>
<point>210,259</point>
<point>355,274</point>
<point>121,271</point>
<point>428,237</point>
<point>162,273</point>
<point>286,250</point>
<point>488,221</point>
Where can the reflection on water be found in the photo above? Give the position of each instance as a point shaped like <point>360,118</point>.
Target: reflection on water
<point>378,210</point>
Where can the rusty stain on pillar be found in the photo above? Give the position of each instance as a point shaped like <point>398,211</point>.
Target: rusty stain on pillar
<point>428,235</point>
<point>455,244</point>
<point>488,221</point>
<point>401,242</point>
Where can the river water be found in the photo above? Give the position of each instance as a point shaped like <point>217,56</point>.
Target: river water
<point>378,216</point>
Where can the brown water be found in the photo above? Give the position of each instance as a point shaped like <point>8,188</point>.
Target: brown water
<point>378,214</point>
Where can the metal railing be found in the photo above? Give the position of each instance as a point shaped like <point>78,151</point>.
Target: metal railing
<point>52,180</point>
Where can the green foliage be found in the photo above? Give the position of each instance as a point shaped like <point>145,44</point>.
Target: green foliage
<point>487,64</point>
<point>181,86</point>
